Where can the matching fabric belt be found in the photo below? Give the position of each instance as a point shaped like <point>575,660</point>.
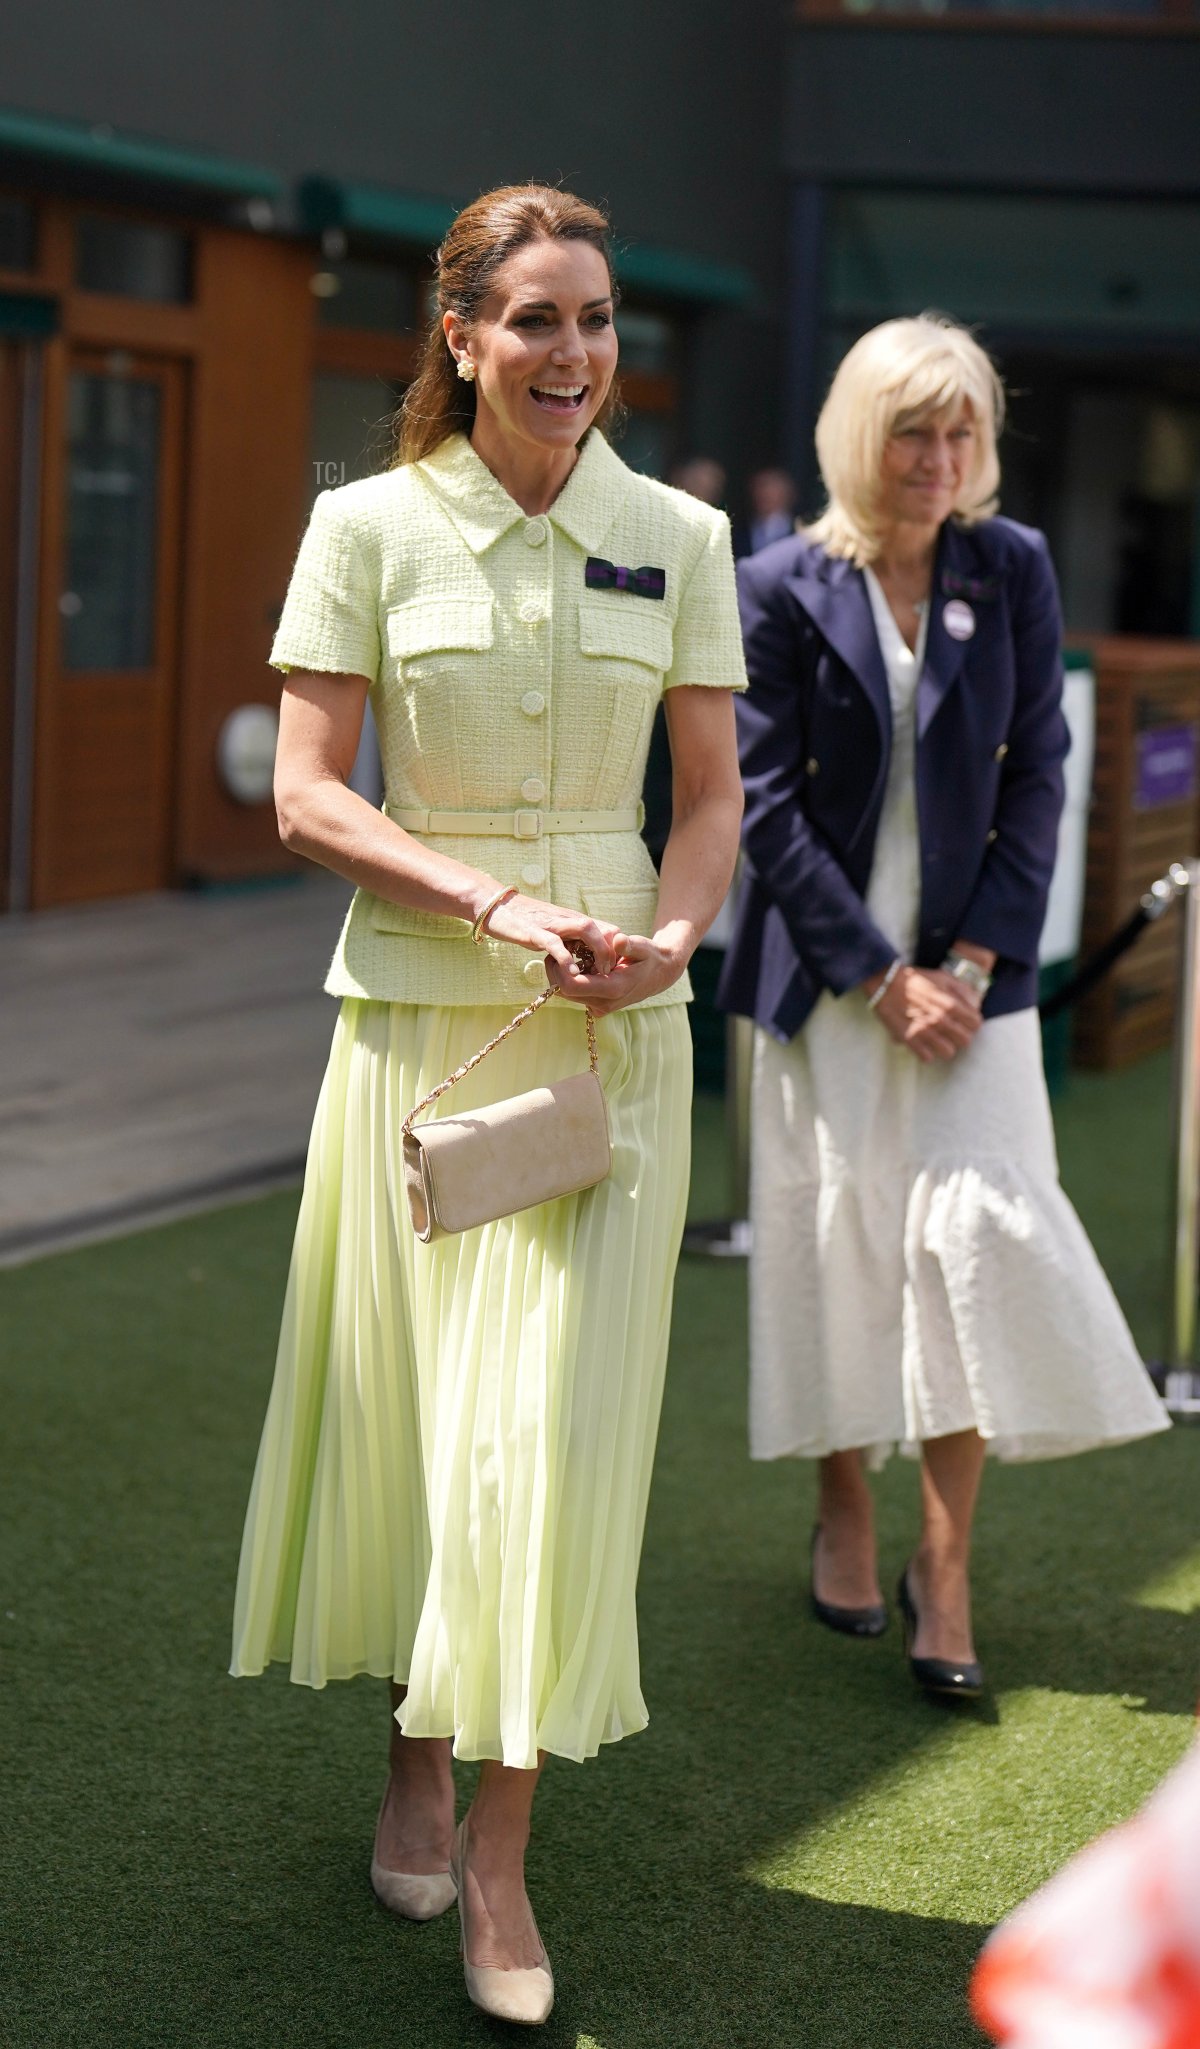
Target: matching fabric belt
<point>518,825</point>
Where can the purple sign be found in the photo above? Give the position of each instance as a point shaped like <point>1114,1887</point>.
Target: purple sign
<point>1166,766</point>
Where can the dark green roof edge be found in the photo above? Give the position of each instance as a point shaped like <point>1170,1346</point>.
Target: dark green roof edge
<point>101,148</point>
<point>412,217</point>
<point>373,210</point>
<point>673,274</point>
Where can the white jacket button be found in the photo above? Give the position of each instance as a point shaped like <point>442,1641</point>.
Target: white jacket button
<point>533,704</point>
<point>534,874</point>
<point>532,613</point>
<point>535,533</point>
<point>534,971</point>
<point>533,789</point>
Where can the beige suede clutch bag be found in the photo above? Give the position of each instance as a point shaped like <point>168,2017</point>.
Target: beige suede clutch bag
<point>460,1172</point>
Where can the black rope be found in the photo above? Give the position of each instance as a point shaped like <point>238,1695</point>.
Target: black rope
<point>1158,898</point>
<point>1097,964</point>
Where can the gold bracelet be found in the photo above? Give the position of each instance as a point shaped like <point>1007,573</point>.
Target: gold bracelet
<point>493,904</point>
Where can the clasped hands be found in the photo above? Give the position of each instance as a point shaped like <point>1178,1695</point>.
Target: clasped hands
<point>929,1011</point>
<point>627,968</point>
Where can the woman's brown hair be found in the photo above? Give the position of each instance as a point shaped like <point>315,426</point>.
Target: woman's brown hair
<point>438,402</point>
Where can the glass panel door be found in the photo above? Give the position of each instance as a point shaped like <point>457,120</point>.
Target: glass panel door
<point>106,718</point>
<point>114,435</point>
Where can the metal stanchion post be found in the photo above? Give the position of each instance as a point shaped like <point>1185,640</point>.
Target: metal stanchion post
<point>1182,1377</point>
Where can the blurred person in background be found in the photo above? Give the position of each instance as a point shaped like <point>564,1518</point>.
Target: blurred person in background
<point>771,495</point>
<point>701,478</point>
<point>452,1481</point>
<point>917,1274</point>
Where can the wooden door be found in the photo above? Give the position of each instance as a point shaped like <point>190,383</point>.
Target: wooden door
<point>20,417</point>
<point>10,498</point>
<point>106,714</point>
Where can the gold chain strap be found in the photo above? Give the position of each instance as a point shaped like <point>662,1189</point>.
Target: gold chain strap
<point>510,1027</point>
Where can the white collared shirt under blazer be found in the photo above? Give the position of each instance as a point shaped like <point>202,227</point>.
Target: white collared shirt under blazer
<point>500,682</point>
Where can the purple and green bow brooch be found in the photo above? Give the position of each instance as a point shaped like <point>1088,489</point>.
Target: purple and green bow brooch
<point>609,576</point>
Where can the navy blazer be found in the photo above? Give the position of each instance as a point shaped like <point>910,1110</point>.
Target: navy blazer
<point>814,733</point>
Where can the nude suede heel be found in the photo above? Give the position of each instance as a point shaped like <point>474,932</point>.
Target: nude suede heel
<point>412,1895</point>
<point>524,1996</point>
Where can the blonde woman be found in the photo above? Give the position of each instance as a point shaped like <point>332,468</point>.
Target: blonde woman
<point>917,1275</point>
<point>452,1481</point>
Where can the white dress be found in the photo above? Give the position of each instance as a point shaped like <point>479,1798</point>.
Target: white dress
<point>916,1268</point>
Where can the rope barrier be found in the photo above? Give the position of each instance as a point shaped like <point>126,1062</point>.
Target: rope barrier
<point>1158,898</point>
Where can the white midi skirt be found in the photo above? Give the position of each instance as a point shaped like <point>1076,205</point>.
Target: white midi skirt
<point>916,1266</point>
<point>452,1482</point>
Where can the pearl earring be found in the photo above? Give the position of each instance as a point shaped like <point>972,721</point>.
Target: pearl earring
<point>466,369</point>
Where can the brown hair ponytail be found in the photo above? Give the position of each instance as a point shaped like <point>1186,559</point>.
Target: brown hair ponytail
<point>438,402</point>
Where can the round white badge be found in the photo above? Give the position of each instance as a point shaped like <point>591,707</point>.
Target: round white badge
<point>958,620</point>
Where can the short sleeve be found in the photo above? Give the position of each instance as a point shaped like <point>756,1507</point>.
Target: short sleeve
<point>708,635</point>
<point>330,619</point>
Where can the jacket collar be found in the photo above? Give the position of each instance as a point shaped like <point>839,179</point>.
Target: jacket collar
<point>482,510</point>
<point>834,594</point>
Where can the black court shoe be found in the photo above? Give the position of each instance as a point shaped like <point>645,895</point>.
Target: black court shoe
<point>847,1621</point>
<point>943,1676</point>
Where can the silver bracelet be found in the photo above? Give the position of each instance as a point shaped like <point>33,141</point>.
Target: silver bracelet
<point>875,999</point>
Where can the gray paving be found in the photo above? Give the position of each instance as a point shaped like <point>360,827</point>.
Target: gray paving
<point>158,1054</point>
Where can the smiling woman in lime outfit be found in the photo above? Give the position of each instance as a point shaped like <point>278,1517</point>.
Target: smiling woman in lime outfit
<point>452,1482</point>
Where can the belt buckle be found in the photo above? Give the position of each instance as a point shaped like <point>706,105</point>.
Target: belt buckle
<point>527,825</point>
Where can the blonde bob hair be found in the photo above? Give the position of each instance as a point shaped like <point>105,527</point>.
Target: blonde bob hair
<point>896,376</point>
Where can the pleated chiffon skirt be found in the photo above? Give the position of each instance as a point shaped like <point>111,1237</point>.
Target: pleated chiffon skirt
<point>452,1482</point>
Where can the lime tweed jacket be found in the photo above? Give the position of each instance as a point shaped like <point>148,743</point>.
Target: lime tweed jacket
<point>503,682</point>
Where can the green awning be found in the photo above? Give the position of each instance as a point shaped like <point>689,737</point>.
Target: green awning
<point>27,313</point>
<point>381,213</point>
<point>375,211</point>
<point>673,274</point>
<point>101,150</point>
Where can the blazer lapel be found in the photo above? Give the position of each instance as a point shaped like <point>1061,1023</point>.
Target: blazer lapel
<point>838,605</point>
<point>944,653</point>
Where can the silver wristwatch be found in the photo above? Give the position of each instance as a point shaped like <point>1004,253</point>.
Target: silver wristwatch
<point>968,971</point>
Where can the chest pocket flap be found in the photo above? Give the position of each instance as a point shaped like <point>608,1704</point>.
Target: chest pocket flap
<point>629,629</point>
<point>424,625</point>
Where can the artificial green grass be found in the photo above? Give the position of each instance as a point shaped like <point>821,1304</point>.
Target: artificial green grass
<point>801,1850</point>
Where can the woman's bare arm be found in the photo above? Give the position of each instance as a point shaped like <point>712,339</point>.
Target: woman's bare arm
<point>706,816</point>
<point>320,724</point>
<point>697,867</point>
